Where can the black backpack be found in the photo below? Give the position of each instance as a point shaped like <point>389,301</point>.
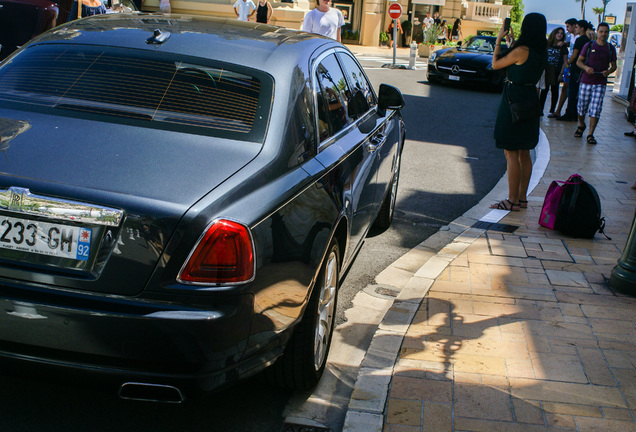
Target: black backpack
<point>579,211</point>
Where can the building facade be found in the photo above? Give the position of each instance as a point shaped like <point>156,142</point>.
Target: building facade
<point>365,19</point>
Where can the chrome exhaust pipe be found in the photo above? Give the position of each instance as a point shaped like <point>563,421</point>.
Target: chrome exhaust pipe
<point>150,392</point>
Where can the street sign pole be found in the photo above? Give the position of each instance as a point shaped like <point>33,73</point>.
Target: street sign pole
<point>394,40</point>
<point>395,12</point>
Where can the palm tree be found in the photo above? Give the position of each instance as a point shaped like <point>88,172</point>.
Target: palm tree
<point>582,8</point>
<point>598,11</point>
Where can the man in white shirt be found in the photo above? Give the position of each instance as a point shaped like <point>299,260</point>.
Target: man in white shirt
<point>244,9</point>
<point>324,20</point>
<point>428,21</point>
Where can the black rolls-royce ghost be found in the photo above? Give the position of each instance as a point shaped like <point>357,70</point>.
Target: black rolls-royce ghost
<point>180,197</point>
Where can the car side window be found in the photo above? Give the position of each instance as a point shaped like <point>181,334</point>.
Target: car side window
<point>332,98</point>
<point>362,98</point>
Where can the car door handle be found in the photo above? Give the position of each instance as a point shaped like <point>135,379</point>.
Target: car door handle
<point>376,142</point>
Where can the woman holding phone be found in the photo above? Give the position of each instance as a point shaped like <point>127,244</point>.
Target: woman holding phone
<point>524,64</point>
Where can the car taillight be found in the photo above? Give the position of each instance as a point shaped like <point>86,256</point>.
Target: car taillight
<point>224,255</point>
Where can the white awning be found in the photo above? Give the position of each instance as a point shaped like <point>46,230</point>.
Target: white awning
<point>430,2</point>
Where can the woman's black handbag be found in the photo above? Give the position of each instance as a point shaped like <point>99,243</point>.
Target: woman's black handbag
<point>525,109</point>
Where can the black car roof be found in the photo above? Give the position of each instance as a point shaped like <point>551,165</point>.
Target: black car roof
<point>245,43</point>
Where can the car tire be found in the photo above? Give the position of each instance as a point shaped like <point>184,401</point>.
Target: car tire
<point>432,80</point>
<point>305,356</point>
<point>385,215</point>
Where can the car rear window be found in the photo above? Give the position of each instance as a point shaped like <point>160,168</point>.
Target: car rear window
<point>143,88</point>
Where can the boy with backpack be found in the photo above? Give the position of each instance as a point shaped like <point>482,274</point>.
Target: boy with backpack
<point>597,61</point>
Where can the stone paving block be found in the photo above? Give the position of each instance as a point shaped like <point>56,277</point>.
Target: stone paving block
<point>393,276</point>
<point>572,409</point>
<point>596,368</point>
<point>620,359</point>
<point>528,411</point>
<point>558,329</point>
<point>381,351</point>
<point>559,420</point>
<point>478,425</point>
<point>433,267</point>
<point>494,260</point>
<point>519,368</point>
<point>404,412</point>
<point>398,317</point>
<point>562,392</point>
<point>587,424</point>
<point>459,274</point>
<point>494,381</point>
<point>447,286</point>
<point>371,389</point>
<point>626,379</point>
<point>356,421</point>
<point>421,389</point>
<point>436,417</point>
<point>477,401</point>
<point>567,278</point>
<point>479,364</point>
<point>558,367</point>
<point>564,350</point>
<point>412,260</point>
<point>618,414</point>
<point>460,261</point>
<point>612,326</point>
<point>573,310</point>
<point>615,312</point>
<point>418,354</point>
<point>415,289</point>
<point>419,368</point>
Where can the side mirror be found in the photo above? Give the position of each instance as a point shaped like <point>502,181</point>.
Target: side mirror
<point>389,97</point>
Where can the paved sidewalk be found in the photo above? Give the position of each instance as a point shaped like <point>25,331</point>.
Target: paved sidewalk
<point>513,331</point>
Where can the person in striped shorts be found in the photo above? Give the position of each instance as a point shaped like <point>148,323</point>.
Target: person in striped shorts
<point>597,61</point>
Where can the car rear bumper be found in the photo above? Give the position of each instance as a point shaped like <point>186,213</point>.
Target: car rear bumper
<point>127,340</point>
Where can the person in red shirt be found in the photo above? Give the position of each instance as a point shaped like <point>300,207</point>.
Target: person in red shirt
<point>597,61</point>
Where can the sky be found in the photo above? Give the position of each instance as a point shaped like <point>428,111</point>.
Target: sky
<point>557,11</point>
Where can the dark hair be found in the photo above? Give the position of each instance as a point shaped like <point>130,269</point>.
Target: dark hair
<point>603,24</point>
<point>552,37</point>
<point>533,30</point>
<point>583,24</point>
<point>571,21</point>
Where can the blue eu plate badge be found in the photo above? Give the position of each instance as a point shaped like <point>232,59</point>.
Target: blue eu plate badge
<point>84,244</point>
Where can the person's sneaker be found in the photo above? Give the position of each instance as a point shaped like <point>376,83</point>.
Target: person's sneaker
<point>630,134</point>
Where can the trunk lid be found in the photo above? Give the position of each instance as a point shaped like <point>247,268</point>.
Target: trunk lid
<point>149,177</point>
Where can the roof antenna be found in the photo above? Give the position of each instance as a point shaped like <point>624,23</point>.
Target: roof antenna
<point>158,37</point>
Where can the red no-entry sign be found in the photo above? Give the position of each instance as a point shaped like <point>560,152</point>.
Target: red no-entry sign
<point>395,10</point>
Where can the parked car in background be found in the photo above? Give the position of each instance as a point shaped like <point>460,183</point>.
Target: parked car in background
<point>615,38</point>
<point>471,62</point>
<point>22,20</point>
<point>181,196</point>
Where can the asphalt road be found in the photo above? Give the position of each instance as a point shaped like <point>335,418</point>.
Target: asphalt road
<point>449,163</point>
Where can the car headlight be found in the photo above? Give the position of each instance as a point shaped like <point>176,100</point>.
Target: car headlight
<point>432,57</point>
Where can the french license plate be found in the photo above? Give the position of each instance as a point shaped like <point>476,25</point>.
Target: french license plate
<point>453,77</point>
<point>45,238</point>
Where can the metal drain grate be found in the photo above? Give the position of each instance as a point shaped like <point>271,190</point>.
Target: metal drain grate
<point>491,226</point>
<point>292,427</point>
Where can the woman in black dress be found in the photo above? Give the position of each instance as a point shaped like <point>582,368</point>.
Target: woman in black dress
<point>525,62</point>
